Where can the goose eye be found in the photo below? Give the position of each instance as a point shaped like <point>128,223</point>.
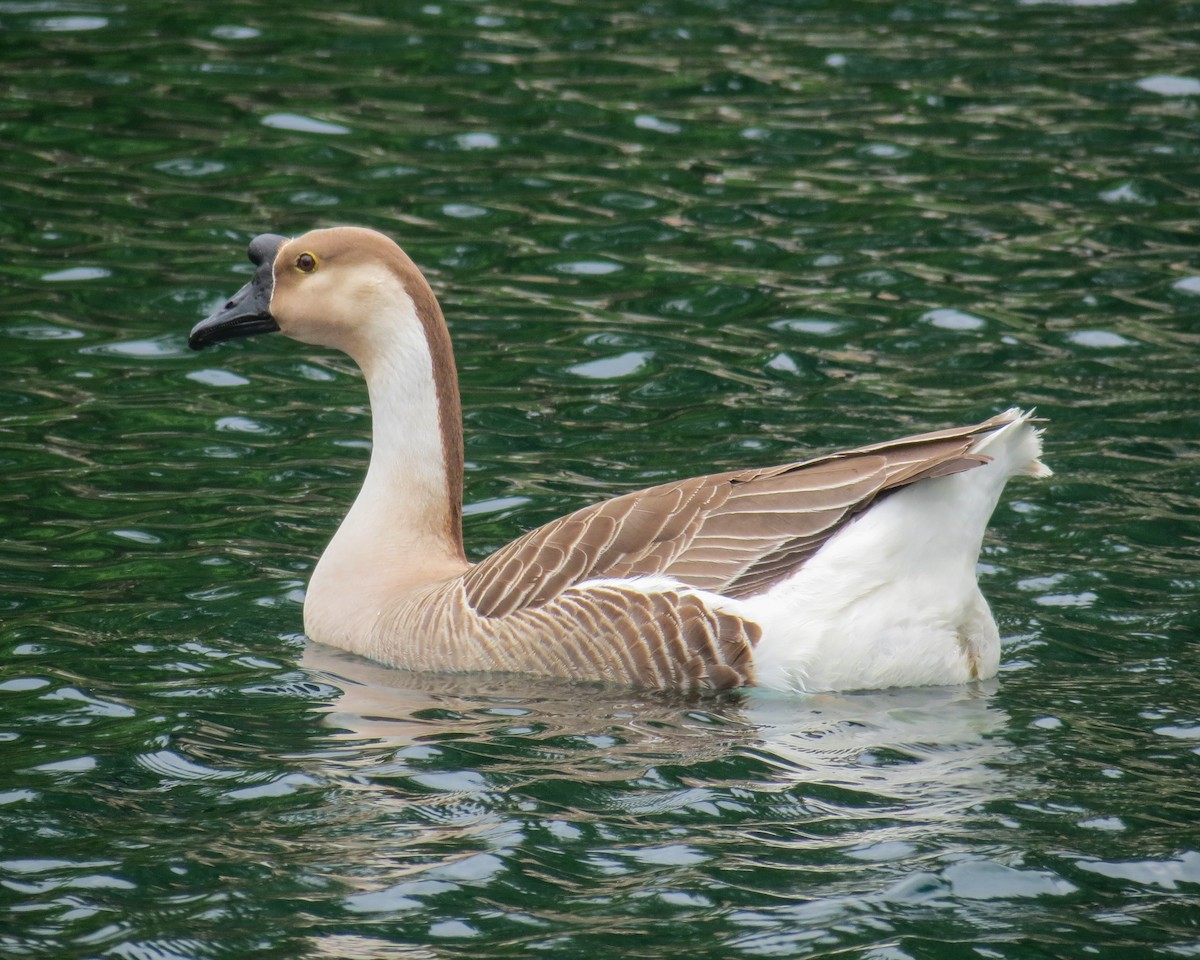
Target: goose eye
<point>306,263</point>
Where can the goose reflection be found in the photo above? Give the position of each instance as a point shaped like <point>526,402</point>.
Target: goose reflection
<point>903,745</point>
<point>468,797</point>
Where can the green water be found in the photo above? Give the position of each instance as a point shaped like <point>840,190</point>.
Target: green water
<point>670,237</point>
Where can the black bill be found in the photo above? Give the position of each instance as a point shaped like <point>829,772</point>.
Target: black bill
<point>249,310</point>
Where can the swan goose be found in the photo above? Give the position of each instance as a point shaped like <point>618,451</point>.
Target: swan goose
<point>853,570</point>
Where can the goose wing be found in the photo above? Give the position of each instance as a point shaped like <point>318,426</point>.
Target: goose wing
<point>734,533</point>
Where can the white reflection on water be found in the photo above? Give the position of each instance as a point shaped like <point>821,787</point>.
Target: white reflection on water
<point>832,811</point>
<point>922,754</point>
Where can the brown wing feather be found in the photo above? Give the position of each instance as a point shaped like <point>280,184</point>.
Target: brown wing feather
<point>664,640</point>
<point>735,533</point>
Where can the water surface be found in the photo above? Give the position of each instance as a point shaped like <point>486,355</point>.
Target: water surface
<point>669,238</point>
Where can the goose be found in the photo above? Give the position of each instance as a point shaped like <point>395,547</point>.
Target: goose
<point>849,571</point>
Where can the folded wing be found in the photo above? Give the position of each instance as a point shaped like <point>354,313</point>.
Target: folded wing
<point>735,533</point>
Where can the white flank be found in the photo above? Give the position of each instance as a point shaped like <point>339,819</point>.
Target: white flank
<point>892,599</point>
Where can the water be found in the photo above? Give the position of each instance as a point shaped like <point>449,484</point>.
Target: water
<point>670,238</point>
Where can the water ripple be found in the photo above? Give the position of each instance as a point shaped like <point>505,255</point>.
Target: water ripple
<point>668,240</point>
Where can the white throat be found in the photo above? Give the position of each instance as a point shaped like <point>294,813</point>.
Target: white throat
<point>398,533</point>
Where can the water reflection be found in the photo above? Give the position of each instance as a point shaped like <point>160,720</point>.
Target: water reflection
<point>925,753</point>
<point>669,238</point>
<point>353,947</point>
<point>462,799</point>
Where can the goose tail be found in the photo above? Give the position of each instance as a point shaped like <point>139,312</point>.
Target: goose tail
<point>1015,444</point>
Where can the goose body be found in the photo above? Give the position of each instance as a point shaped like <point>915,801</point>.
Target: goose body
<point>853,570</point>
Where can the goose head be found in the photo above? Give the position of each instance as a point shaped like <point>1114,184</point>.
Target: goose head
<point>348,288</point>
